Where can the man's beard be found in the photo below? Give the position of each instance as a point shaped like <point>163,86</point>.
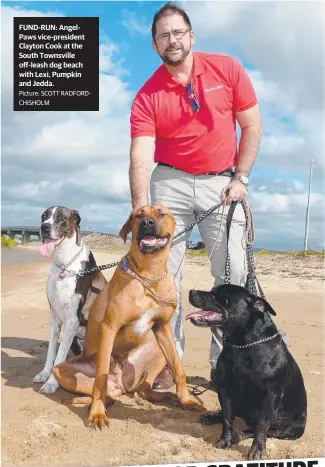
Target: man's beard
<point>175,60</point>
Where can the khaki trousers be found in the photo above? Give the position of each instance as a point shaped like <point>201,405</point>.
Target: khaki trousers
<point>188,197</point>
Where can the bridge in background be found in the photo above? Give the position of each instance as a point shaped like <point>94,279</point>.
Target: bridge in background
<point>28,231</point>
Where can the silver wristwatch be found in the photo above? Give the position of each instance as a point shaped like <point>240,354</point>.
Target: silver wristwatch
<point>242,179</point>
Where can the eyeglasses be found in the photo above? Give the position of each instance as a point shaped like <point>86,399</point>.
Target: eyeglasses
<point>177,33</point>
<point>191,96</point>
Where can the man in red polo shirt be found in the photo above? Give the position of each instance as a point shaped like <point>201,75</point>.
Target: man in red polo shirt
<point>186,115</point>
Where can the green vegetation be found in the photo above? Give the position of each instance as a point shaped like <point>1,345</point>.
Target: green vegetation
<point>195,253</point>
<point>302,253</point>
<point>290,253</point>
<point>7,242</point>
<point>306,253</point>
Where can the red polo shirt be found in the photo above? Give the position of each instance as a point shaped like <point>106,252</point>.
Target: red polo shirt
<point>195,142</point>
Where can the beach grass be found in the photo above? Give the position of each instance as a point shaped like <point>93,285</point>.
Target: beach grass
<point>7,242</point>
<point>299,253</point>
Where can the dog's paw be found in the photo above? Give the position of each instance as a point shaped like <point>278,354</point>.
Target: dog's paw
<point>97,415</point>
<point>211,418</point>
<point>42,377</point>
<point>256,452</point>
<point>224,443</point>
<point>50,386</point>
<point>193,405</point>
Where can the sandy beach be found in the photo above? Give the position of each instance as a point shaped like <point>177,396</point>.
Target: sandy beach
<point>37,430</point>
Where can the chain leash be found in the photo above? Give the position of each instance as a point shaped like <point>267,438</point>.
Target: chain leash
<point>86,272</point>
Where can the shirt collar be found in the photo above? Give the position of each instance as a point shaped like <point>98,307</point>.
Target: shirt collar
<point>198,69</point>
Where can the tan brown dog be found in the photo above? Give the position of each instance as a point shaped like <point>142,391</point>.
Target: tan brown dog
<point>128,339</point>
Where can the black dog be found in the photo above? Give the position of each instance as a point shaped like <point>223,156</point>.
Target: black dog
<point>258,379</point>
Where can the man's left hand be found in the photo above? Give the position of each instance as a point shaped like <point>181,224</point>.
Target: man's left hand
<point>234,191</point>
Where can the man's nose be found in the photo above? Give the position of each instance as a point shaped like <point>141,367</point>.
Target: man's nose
<point>172,39</point>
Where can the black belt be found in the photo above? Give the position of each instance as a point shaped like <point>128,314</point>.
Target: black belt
<point>225,173</point>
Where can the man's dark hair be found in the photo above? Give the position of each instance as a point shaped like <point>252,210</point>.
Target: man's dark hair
<point>169,8</point>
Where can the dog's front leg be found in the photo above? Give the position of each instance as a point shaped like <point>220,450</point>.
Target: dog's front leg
<point>258,447</point>
<point>70,330</point>
<point>166,342</point>
<point>226,440</point>
<point>55,328</point>
<point>98,412</point>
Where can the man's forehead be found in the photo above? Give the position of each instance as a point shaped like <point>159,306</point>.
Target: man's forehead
<point>167,22</point>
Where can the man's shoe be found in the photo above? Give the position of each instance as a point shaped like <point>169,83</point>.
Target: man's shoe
<point>164,380</point>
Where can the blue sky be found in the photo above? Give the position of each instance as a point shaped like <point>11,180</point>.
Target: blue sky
<point>58,165</point>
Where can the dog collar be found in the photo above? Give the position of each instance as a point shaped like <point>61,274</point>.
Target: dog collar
<point>257,342</point>
<point>125,264</point>
<point>64,267</point>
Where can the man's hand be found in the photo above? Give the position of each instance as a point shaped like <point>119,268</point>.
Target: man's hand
<point>234,191</point>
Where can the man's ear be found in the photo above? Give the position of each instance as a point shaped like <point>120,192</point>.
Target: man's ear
<point>127,227</point>
<point>192,37</point>
<point>260,304</point>
<point>154,45</point>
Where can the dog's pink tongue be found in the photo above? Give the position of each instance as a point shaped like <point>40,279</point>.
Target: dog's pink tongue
<point>47,248</point>
<point>202,314</point>
<point>149,241</point>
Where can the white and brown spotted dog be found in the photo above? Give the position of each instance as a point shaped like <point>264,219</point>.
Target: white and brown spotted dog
<point>70,298</point>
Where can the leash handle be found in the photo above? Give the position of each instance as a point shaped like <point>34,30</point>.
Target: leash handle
<point>229,220</point>
<point>251,281</point>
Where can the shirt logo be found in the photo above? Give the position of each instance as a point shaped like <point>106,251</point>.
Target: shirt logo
<point>214,88</point>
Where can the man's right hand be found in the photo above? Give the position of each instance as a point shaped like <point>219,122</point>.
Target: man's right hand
<point>138,204</point>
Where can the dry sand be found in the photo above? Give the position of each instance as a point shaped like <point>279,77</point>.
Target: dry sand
<point>37,430</point>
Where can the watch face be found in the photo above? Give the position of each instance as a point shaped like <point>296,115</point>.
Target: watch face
<point>244,180</point>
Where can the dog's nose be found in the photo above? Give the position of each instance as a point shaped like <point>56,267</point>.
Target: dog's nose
<point>45,228</point>
<point>147,222</point>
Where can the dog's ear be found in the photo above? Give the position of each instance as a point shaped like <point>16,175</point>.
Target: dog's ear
<point>127,227</point>
<point>260,304</point>
<point>77,220</point>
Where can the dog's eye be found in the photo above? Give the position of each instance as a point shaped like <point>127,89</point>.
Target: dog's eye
<point>162,214</point>
<point>224,300</point>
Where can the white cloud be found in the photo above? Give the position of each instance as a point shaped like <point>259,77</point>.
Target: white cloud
<point>283,42</point>
<point>284,203</point>
<point>69,158</point>
<point>298,185</point>
<point>81,158</point>
<point>134,24</point>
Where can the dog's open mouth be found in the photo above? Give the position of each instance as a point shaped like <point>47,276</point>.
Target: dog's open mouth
<point>48,246</point>
<point>151,243</point>
<point>205,318</point>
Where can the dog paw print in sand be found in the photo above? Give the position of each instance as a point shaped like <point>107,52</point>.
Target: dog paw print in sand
<point>177,448</point>
<point>42,426</point>
<point>38,349</point>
